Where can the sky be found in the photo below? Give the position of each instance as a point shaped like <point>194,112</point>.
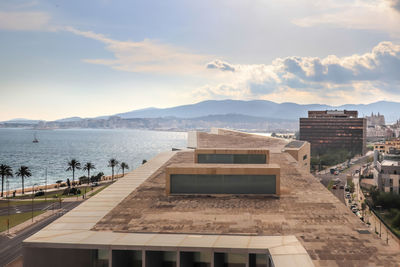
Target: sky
<point>65,58</point>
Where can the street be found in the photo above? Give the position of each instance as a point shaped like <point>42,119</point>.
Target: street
<point>42,205</point>
<point>11,249</point>
<point>326,177</point>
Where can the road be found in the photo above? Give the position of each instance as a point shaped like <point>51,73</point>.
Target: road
<point>24,208</point>
<point>327,177</point>
<point>11,249</point>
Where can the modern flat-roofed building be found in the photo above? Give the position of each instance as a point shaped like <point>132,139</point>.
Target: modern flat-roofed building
<point>290,220</point>
<point>330,130</point>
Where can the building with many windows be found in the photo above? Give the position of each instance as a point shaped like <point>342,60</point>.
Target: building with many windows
<point>330,130</point>
<point>234,200</point>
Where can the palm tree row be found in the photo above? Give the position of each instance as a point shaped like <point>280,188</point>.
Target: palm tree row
<point>73,165</point>
<point>24,171</point>
<point>6,172</point>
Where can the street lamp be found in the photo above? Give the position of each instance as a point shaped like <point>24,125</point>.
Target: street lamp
<point>33,195</point>
<point>8,206</point>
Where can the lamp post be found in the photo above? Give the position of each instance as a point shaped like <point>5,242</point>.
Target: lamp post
<point>8,206</point>
<point>33,195</point>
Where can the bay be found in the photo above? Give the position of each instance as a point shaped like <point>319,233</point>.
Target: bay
<point>57,147</point>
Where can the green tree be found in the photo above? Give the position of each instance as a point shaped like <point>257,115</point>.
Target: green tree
<point>23,172</point>
<point>88,167</point>
<point>113,163</point>
<point>123,167</point>
<point>5,172</point>
<point>73,165</point>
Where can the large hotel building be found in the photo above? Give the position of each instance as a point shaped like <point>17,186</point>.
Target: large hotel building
<point>231,200</point>
<point>330,130</point>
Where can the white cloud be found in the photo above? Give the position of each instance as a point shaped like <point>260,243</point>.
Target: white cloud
<point>311,77</point>
<point>378,15</point>
<point>145,56</point>
<point>24,21</point>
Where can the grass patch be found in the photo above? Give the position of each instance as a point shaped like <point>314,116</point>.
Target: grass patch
<point>16,219</point>
<point>389,218</point>
<point>331,183</point>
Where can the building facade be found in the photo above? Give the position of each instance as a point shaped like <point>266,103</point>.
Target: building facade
<point>334,129</point>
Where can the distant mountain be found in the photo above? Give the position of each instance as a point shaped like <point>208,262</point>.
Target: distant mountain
<point>22,121</point>
<point>260,108</point>
<point>70,119</point>
<point>253,115</point>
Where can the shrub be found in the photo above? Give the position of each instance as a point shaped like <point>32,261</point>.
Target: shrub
<point>396,221</point>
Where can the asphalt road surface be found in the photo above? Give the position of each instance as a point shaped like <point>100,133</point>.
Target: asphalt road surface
<point>326,178</point>
<point>24,208</point>
<point>11,249</point>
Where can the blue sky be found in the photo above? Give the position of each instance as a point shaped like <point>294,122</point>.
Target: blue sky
<point>89,58</point>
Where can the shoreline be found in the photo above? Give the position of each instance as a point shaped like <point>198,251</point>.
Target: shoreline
<point>51,187</point>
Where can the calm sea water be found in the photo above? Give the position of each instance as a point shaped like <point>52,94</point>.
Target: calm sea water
<point>57,147</point>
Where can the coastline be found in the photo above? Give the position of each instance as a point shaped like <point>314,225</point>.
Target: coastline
<point>51,187</point>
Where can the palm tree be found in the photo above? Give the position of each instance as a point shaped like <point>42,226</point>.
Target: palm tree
<point>88,167</point>
<point>72,166</point>
<point>23,172</point>
<point>113,163</point>
<point>123,167</point>
<point>5,171</point>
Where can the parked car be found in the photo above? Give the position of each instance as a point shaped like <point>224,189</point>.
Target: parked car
<point>341,187</point>
<point>334,187</point>
<point>39,193</point>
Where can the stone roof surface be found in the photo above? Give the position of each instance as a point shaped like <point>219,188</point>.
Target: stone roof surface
<point>327,229</point>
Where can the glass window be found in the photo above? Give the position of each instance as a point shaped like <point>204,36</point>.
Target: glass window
<point>195,259</point>
<point>258,260</point>
<point>160,258</point>
<point>128,258</point>
<point>230,260</point>
<point>222,184</point>
<point>232,158</point>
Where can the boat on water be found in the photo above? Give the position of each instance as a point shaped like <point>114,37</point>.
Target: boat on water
<point>35,140</point>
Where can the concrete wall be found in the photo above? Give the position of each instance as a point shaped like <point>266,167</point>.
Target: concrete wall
<point>302,155</point>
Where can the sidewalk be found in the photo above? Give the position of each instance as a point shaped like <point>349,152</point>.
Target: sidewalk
<point>376,226</point>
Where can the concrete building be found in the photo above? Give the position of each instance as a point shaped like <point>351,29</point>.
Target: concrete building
<point>334,129</point>
<point>388,146</point>
<point>375,120</point>
<point>388,176</point>
<point>141,221</point>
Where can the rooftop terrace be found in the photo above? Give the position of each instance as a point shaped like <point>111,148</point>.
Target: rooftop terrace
<point>329,232</point>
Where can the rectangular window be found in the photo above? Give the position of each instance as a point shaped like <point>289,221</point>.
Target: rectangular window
<point>258,260</point>
<point>230,260</point>
<point>232,158</point>
<point>160,258</point>
<point>222,184</point>
<point>195,259</point>
<point>127,258</point>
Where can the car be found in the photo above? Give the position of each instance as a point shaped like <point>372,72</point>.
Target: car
<point>347,189</point>
<point>341,187</point>
<point>334,187</point>
<point>354,210</point>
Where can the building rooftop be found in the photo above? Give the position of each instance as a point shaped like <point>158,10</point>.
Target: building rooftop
<point>295,144</point>
<point>306,211</point>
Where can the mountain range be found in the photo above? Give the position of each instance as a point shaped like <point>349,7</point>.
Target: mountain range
<point>249,114</point>
<point>260,108</point>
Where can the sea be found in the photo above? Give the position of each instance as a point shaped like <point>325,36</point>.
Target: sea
<point>56,147</point>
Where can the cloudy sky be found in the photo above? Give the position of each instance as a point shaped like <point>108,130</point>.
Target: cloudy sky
<point>62,58</point>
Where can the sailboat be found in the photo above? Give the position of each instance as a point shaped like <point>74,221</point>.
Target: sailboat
<point>35,140</point>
